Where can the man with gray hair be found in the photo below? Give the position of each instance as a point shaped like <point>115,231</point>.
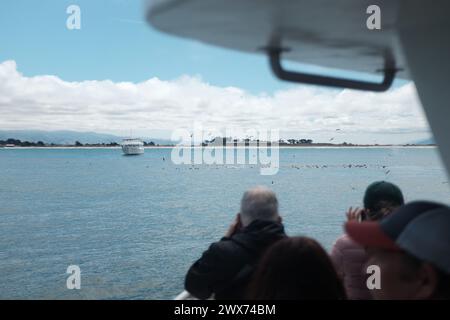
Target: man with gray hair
<point>226,267</point>
<point>259,203</point>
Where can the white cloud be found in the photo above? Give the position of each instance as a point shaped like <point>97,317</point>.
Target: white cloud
<point>49,103</point>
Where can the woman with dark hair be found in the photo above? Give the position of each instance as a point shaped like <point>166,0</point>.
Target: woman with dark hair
<point>296,268</point>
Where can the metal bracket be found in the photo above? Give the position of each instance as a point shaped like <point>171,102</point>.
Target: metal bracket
<point>274,54</point>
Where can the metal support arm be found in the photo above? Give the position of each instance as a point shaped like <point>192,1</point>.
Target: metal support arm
<point>275,63</point>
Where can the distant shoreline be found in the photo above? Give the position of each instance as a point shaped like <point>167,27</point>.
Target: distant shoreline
<point>317,146</point>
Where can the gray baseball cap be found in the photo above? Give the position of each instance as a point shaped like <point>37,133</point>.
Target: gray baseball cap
<point>420,228</point>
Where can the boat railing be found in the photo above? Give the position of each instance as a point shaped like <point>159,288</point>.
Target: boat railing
<point>185,296</point>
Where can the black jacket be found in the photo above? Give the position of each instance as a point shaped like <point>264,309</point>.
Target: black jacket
<point>226,267</point>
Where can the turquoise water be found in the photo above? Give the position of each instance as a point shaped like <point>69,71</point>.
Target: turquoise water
<point>135,224</point>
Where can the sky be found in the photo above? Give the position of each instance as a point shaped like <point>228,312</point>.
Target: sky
<point>118,74</point>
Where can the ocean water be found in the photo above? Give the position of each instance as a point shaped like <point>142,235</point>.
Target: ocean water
<point>135,224</point>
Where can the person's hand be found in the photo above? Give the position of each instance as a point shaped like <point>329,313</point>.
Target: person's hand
<point>235,225</point>
<point>354,214</point>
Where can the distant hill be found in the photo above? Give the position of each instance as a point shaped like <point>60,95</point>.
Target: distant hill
<point>425,141</point>
<point>67,137</point>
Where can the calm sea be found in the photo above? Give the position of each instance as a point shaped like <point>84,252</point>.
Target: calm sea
<point>135,224</point>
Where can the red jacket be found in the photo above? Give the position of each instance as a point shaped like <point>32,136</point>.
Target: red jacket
<point>349,259</point>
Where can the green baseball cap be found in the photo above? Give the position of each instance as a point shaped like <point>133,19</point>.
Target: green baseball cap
<point>382,191</point>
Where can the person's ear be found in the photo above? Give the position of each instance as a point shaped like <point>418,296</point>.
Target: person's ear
<point>280,219</point>
<point>428,280</point>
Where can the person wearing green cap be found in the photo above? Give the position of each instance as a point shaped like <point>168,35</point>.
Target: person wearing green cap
<point>380,199</point>
<point>349,258</point>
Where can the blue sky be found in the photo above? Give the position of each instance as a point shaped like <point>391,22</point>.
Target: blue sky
<point>116,43</point>
<point>189,82</point>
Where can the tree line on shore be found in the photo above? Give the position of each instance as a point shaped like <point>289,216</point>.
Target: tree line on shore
<point>11,142</point>
<point>19,143</point>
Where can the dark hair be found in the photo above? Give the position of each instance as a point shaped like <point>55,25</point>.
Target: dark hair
<point>295,268</point>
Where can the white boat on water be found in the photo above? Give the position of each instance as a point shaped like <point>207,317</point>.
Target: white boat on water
<point>132,146</point>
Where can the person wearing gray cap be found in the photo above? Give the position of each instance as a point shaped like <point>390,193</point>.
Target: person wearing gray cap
<point>411,247</point>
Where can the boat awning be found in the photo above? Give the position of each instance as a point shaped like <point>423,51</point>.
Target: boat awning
<point>324,33</point>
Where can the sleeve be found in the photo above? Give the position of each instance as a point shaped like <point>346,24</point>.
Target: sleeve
<point>208,273</point>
